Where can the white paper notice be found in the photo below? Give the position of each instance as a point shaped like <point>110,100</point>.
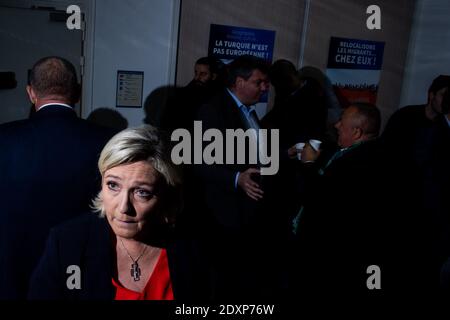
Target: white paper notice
<point>129,89</point>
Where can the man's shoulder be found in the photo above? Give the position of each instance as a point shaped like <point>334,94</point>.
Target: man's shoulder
<point>14,126</point>
<point>95,128</point>
<point>42,123</point>
<point>219,103</point>
<point>13,132</point>
<point>405,119</point>
<point>365,154</point>
<point>220,97</point>
<point>85,130</point>
<point>410,111</point>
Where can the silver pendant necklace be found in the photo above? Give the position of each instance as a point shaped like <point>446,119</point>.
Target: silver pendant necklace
<point>135,271</point>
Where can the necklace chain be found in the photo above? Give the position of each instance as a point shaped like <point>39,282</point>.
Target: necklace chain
<point>135,271</point>
<point>134,260</point>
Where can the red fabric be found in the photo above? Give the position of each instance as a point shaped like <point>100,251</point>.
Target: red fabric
<point>158,287</point>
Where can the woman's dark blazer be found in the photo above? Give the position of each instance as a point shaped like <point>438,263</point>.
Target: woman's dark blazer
<point>85,242</point>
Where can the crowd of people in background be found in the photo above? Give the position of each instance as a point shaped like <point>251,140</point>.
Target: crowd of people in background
<point>135,226</point>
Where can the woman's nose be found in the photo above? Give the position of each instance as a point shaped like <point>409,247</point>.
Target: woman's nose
<point>124,205</point>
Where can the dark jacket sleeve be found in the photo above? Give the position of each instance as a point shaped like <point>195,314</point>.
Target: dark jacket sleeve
<point>216,174</point>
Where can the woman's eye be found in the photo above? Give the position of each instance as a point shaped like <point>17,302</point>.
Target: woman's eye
<point>144,193</point>
<point>112,186</point>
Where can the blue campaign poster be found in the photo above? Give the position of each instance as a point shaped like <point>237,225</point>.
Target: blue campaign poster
<point>228,42</point>
<point>355,54</point>
<point>354,68</point>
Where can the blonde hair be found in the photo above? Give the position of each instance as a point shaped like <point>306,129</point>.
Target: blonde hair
<point>145,143</point>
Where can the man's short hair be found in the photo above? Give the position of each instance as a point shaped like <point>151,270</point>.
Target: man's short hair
<point>281,73</point>
<point>370,118</point>
<point>55,77</point>
<point>439,83</point>
<point>211,62</point>
<point>244,66</point>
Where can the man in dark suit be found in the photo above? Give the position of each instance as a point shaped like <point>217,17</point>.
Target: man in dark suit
<point>300,110</point>
<point>183,106</point>
<point>48,170</point>
<point>437,188</point>
<point>340,227</point>
<point>233,192</point>
<point>440,191</point>
<point>407,133</point>
<point>409,138</point>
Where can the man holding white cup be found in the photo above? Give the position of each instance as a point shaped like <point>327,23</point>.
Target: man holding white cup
<point>340,209</point>
<point>353,128</point>
<point>315,144</point>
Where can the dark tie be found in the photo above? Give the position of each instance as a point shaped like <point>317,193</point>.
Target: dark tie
<point>254,121</point>
<point>251,121</point>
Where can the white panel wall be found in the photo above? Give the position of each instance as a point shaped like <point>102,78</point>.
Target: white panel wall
<point>26,36</point>
<point>429,50</point>
<point>136,35</point>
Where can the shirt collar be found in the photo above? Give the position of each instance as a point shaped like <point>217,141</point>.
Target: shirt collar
<point>239,104</point>
<point>55,104</point>
<point>352,146</point>
<point>236,99</point>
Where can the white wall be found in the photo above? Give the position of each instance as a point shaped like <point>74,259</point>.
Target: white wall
<point>27,35</point>
<point>429,50</point>
<point>136,35</point>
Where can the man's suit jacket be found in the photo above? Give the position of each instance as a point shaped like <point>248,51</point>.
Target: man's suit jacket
<point>232,208</point>
<point>236,228</point>
<point>300,116</point>
<point>437,190</point>
<point>341,228</point>
<point>48,170</point>
<point>86,242</point>
<point>418,148</point>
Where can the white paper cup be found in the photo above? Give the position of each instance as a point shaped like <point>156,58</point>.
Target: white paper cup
<point>315,144</point>
<point>299,147</point>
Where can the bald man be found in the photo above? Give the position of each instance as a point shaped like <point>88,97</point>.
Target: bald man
<point>48,171</point>
<point>339,228</point>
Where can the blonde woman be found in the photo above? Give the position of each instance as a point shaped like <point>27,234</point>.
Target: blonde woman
<point>123,252</point>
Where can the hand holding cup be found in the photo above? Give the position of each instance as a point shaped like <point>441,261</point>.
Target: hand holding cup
<point>299,148</point>
<point>311,151</point>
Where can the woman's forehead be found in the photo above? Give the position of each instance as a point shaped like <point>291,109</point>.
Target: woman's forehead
<point>136,170</point>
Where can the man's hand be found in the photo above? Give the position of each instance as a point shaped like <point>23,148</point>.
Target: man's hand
<point>292,152</point>
<point>309,154</point>
<point>251,188</point>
